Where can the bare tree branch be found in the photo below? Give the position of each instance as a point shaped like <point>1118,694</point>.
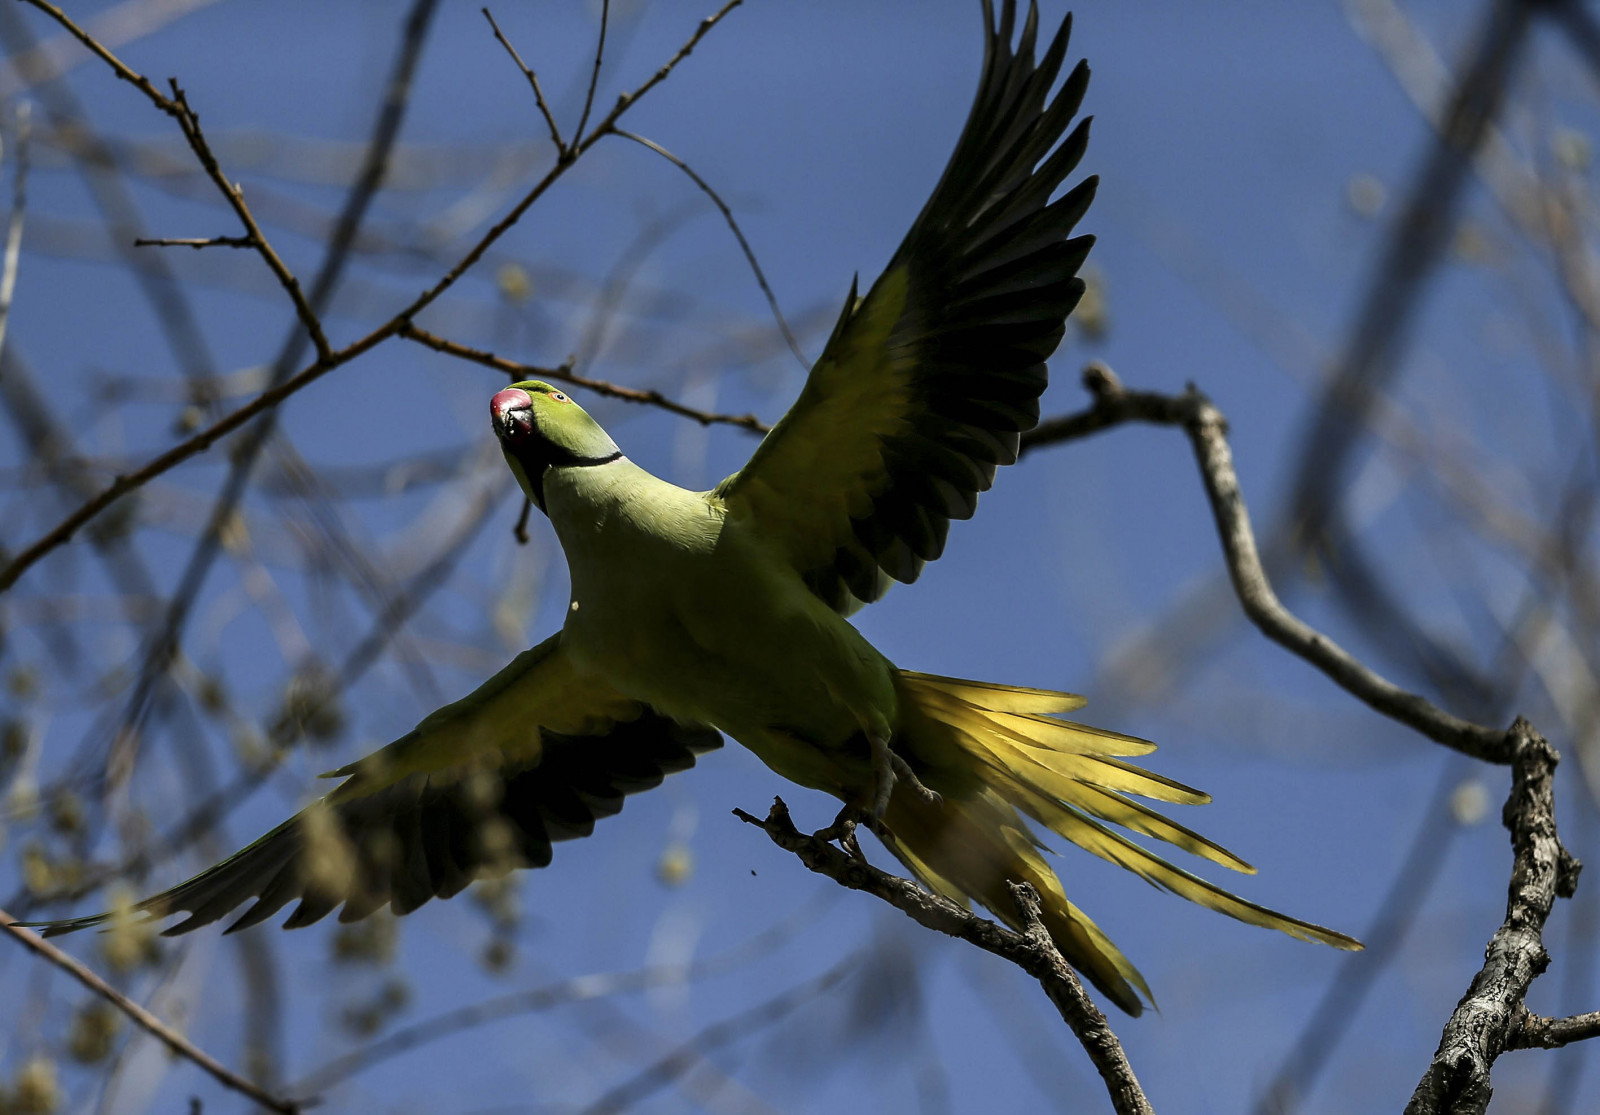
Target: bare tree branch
<point>594,74</point>
<point>533,82</point>
<point>145,1020</point>
<point>1532,1031</point>
<point>692,1053</point>
<point>565,375</point>
<point>744,245</point>
<point>1207,430</point>
<point>19,210</point>
<point>1457,1081</point>
<point>1031,951</point>
<point>195,242</point>
<point>177,107</point>
<point>162,647</point>
<point>198,443</point>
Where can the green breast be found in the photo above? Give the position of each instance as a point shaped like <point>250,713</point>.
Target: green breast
<point>678,608</point>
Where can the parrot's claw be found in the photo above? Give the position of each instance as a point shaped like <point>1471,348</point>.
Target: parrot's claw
<point>843,829</point>
<point>889,768</point>
<point>903,771</point>
<point>884,774</point>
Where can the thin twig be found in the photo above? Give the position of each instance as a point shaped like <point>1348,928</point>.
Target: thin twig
<point>116,25</point>
<point>576,148</point>
<point>195,242</point>
<point>1420,233</point>
<point>578,989</point>
<point>99,166</point>
<point>1032,951</point>
<point>177,107</point>
<point>189,123</point>
<point>594,74</point>
<point>121,485</point>
<point>127,482</point>
<point>19,209</point>
<point>145,1020</point>
<point>565,375</point>
<point>533,81</point>
<point>1533,1031</point>
<point>744,245</point>
<point>693,1053</point>
<point>162,647</point>
<point>628,100</point>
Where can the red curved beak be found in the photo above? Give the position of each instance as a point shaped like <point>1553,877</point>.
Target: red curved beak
<point>512,412</point>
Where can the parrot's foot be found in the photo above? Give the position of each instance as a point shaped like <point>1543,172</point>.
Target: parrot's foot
<point>888,769</point>
<point>904,773</point>
<point>843,829</point>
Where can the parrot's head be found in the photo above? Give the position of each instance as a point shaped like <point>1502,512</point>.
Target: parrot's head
<point>540,428</point>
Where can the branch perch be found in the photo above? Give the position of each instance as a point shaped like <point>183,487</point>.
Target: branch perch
<point>1031,951</point>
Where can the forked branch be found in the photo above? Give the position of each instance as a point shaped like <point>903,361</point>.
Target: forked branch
<point>1032,951</point>
<point>327,359</point>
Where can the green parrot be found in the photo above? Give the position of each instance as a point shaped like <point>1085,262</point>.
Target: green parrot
<point>695,614</point>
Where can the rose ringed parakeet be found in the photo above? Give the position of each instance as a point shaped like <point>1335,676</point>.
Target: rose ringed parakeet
<point>700,613</point>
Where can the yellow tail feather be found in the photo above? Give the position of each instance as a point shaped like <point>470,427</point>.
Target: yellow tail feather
<point>1067,777</point>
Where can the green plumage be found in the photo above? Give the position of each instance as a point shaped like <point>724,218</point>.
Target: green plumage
<point>699,613</point>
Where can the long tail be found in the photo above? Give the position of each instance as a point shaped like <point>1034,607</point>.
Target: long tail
<point>997,752</point>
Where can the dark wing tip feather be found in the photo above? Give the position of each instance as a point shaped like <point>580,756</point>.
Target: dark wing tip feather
<point>991,268</point>
<point>66,925</point>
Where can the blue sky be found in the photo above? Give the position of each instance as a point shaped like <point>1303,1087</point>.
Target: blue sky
<point>1226,135</point>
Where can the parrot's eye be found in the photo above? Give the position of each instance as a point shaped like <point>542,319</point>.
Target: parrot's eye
<point>559,397</point>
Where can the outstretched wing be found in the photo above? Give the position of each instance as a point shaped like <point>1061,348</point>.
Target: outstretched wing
<point>536,754</point>
<point>926,384</point>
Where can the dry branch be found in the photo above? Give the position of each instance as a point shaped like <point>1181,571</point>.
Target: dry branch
<point>566,375</point>
<point>744,245</point>
<point>195,242</point>
<point>326,361</point>
<point>594,74</point>
<point>1031,951</point>
<point>1484,1021</point>
<point>145,1020</point>
<point>1490,1017</point>
<point>177,107</point>
<point>1207,430</point>
<point>533,83</point>
<point>19,210</point>
<point>1532,1031</point>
